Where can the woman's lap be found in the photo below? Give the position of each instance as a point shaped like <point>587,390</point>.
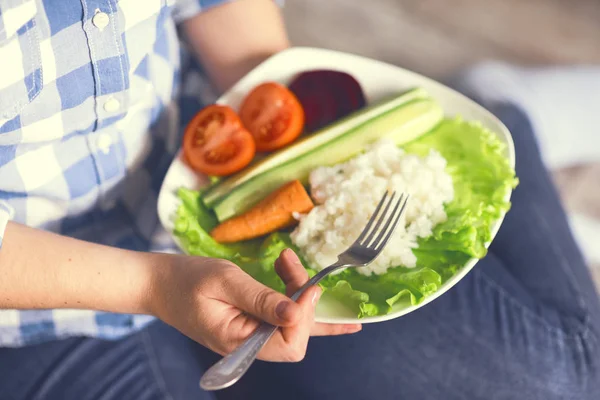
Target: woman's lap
<point>157,363</point>
<point>523,324</point>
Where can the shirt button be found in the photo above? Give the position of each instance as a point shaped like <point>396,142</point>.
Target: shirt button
<point>111,105</point>
<point>100,20</point>
<point>104,142</point>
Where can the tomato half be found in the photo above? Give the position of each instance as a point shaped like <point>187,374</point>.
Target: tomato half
<point>274,116</point>
<point>215,142</point>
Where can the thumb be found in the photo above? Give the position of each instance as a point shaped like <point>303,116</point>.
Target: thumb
<point>247,294</point>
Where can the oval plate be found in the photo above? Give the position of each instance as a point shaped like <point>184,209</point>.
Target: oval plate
<point>378,80</point>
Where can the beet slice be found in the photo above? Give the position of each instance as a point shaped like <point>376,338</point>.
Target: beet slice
<point>326,96</point>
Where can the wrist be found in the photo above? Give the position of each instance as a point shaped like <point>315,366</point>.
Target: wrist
<point>141,277</point>
<point>159,277</point>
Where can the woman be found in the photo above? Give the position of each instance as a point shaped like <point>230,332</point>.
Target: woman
<point>90,105</point>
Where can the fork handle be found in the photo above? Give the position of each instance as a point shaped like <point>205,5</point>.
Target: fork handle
<point>235,364</point>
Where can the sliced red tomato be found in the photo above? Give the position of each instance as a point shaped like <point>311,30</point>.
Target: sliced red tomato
<point>274,116</point>
<point>216,143</point>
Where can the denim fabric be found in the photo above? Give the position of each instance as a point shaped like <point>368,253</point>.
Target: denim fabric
<point>524,324</point>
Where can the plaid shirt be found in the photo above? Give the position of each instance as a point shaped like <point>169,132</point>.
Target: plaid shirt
<point>89,123</point>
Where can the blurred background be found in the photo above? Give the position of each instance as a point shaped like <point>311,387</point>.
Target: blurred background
<point>439,37</point>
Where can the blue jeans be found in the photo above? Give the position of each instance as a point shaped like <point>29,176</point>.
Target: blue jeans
<point>524,324</point>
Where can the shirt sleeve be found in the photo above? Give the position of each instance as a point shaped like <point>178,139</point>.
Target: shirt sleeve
<point>6,213</point>
<point>186,9</point>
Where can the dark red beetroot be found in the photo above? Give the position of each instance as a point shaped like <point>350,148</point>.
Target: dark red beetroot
<point>326,96</point>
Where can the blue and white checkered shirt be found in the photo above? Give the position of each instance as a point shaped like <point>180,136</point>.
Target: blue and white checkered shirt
<point>89,123</point>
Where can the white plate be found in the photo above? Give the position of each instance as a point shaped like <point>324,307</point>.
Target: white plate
<point>378,80</point>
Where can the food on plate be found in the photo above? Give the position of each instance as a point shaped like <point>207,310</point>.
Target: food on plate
<point>455,171</point>
<point>347,194</point>
<point>326,96</point>
<point>192,224</point>
<point>400,125</point>
<point>304,145</point>
<point>274,212</point>
<point>274,116</point>
<point>216,143</point>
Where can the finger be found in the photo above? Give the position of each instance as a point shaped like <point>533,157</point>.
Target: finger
<point>289,343</point>
<point>291,271</point>
<point>298,335</point>
<point>247,294</point>
<point>319,329</point>
<point>241,327</point>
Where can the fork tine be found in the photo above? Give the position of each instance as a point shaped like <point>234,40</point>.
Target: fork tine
<point>380,219</point>
<point>388,219</point>
<point>391,224</point>
<point>371,220</point>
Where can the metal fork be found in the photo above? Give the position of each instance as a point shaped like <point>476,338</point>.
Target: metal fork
<point>362,252</point>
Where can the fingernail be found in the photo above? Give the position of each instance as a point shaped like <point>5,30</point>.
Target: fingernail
<point>354,328</point>
<point>316,296</point>
<point>281,309</point>
<point>293,257</point>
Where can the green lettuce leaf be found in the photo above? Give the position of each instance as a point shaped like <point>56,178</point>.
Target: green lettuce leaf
<point>481,176</point>
<point>375,295</point>
<point>193,221</point>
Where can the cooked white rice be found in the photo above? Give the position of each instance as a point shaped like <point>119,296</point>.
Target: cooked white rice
<point>347,194</point>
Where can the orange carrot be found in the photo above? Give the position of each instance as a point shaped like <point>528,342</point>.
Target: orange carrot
<point>272,213</point>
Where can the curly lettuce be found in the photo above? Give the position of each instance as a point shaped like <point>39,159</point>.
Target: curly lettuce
<point>482,177</point>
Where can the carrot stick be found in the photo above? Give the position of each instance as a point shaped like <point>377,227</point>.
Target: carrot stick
<point>272,213</point>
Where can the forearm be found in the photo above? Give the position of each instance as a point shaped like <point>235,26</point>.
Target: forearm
<point>233,38</point>
<point>42,270</point>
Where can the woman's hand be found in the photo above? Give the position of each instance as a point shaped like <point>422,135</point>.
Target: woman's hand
<point>215,303</point>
